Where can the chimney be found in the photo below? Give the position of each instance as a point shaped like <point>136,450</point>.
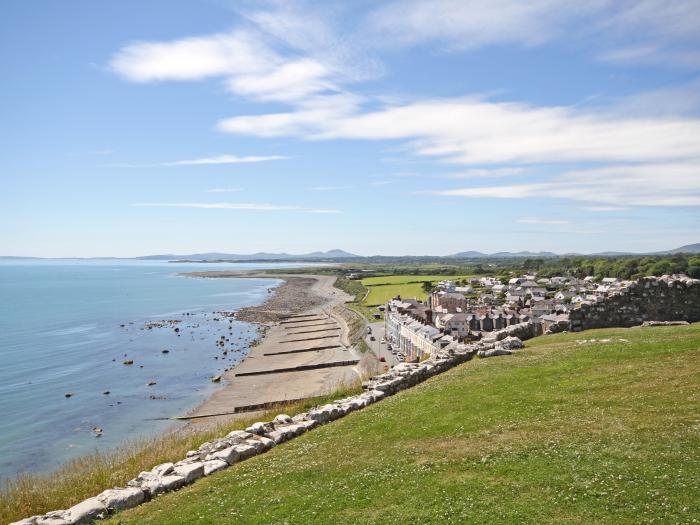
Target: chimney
<point>429,317</point>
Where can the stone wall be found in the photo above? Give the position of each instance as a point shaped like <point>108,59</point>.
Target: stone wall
<point>666,298</point>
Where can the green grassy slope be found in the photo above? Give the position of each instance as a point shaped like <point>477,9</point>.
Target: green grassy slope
<point>561,432</point>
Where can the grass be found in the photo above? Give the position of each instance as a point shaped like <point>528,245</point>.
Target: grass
<point>380,294</point>
<point>371,292</point>
<point>560,432</point>
<point>386,287</point>
<point>88,475</point>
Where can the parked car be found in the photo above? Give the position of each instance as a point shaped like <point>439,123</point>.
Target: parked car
<point>372,338</point>
<point>369,329</point>
<point>382,341</point>
<point>382,359</point>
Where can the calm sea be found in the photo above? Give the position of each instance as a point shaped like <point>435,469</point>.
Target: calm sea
<point>68,326</point>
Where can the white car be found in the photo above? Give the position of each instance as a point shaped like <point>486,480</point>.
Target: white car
<point>382,341</point>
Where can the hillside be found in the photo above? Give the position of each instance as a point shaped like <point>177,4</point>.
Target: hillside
<point>563,431</point>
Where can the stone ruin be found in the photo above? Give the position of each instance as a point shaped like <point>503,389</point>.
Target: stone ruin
<point>668,298</point>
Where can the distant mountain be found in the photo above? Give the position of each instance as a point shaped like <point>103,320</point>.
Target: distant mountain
<point>611,254</point>
<point>688,248</point>
<point>260,256</point>
<point>468,255</point>
<point>501,255</point>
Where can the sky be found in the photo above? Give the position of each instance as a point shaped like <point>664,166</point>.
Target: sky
<point>398,127</point>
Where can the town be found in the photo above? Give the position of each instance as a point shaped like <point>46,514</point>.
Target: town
<point>462,311</point>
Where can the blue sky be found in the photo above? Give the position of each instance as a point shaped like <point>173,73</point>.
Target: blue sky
<point>398,127</point>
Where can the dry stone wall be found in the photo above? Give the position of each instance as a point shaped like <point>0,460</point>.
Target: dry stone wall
<point>666,298</point>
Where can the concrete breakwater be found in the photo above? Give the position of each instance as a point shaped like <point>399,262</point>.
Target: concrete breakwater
<point>666,298</point>
<point>260,437</point>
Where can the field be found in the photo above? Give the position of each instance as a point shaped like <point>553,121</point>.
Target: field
<point>382,293</point>
<point>384,288</point>
<point>561,432</point>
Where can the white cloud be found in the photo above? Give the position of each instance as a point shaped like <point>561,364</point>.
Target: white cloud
<point>655,31</point>
<point>614,187</point>
<point>472,131</point>
<point>289,82</point>
<point>194,58</point>
<point>232,206</point>
<point>485,173</point>
<point>224,159</point>
<point>204,161</point>
<point>469,24</point>
<point>223,190</point>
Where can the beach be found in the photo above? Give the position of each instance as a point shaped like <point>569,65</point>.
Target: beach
<point>305,350</point>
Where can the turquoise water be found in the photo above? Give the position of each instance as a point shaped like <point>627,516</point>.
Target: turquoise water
<point>61,332</point>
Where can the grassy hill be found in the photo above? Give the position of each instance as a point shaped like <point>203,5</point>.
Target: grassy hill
<point>596,432</point>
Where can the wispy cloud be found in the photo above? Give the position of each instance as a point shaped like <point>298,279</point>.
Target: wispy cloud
<point>233,206</point>
<point>672,185</point>
<point>484,173</point>
<point>205,161</point>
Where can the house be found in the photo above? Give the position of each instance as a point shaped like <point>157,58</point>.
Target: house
<point>564,295</point>
<point>455,324</point>
<point>609,280</point>
<point>541,308</point>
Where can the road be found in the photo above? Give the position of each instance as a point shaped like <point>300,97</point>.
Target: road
<point>380,350</point>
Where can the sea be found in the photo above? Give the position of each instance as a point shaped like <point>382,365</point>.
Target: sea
<point>67,328</point>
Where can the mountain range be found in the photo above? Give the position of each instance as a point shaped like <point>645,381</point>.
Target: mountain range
<point>214,256</point>
<point>338,255</point>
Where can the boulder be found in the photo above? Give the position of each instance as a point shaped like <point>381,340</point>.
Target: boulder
<point>214,465</point>
<point>190,471</point>
<point>259,428</point>
<point>57,517</point>
<point>163,469</point>
<point>245,451</point>
<point>238,436</point>
<point>153,484</point>
<point>494,352</point>
<point>282,419</point>
<point>85,511</point>
<point>120,499</point>
<point>510,343</point>
<point>230,455</point>
<point>277,436</point>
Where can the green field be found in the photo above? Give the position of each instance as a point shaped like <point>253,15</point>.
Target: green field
<point>384,288</point>
<point>383,293</point>
<point>598,433</point>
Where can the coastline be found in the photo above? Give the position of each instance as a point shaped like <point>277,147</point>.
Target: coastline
<point>294,358</point>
